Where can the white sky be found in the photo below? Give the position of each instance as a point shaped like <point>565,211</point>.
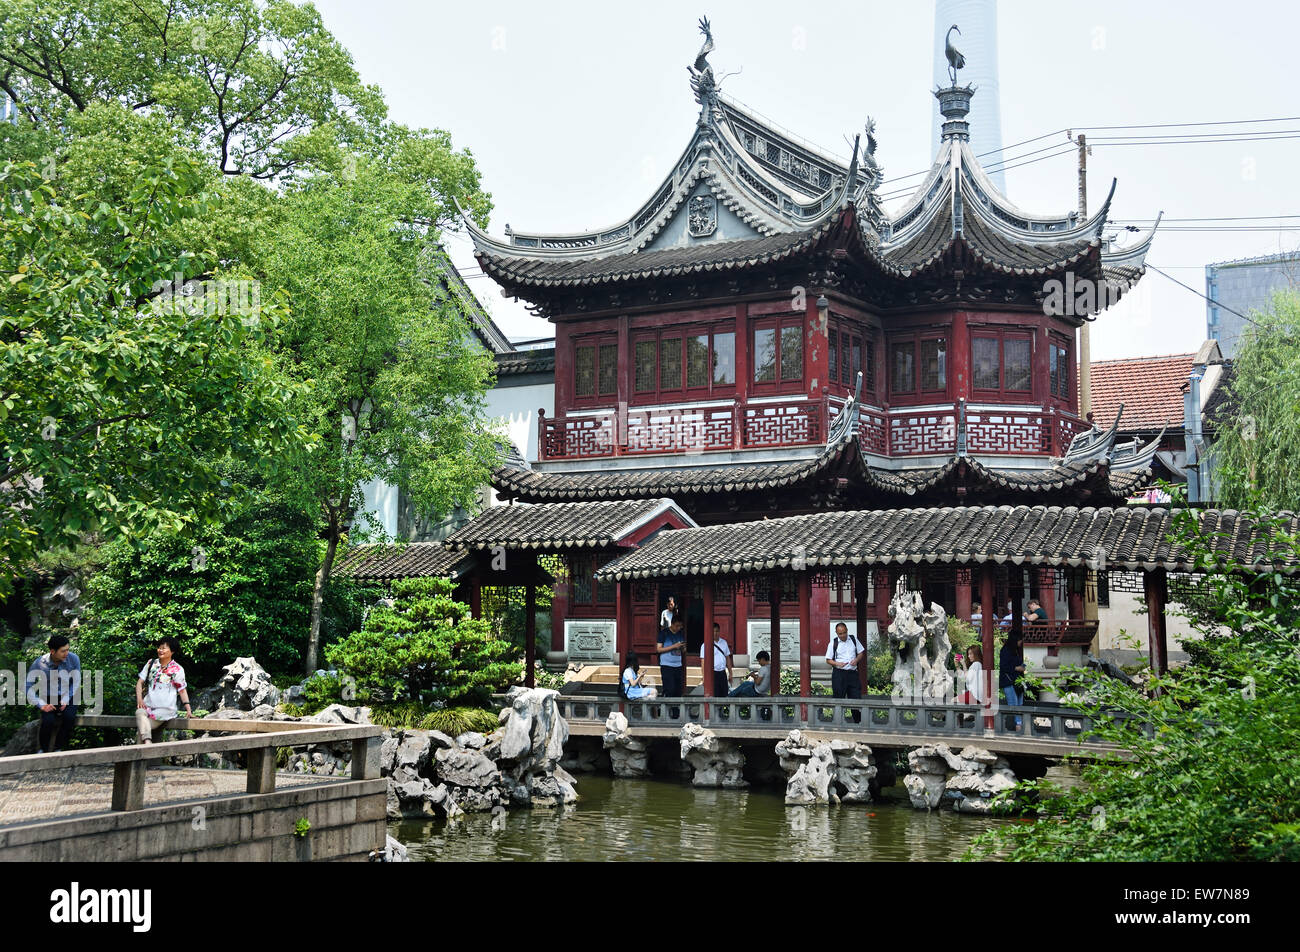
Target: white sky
<point>575,111</point>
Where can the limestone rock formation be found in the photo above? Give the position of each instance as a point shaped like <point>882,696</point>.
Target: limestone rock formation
<point>244,687</point>
<point>517,765</point>
<point>627,754</point>
<point>969,779</point>
<point>919,639</point>
<point>716,763</point>
<point>825,772</point>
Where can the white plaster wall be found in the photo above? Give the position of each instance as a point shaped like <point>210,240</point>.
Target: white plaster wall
<point>517,407</point>
<point>1122,615</point>
<point>381,501</point>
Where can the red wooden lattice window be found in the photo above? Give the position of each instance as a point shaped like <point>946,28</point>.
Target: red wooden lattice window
<point>1002,362</point>
<point>851,351</point>
<point>778,355</point>
<point>1059,379</point>
<point>918,365</point>
<point>595,369</point>
<point>693,361</point>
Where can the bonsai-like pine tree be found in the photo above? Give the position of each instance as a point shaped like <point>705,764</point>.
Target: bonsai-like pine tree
<point>426,648</point>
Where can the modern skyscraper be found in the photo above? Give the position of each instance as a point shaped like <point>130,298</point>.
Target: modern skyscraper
<point>978,42</point>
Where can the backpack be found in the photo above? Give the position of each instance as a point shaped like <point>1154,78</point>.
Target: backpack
<point>622,685</point>
<point>857,645</point>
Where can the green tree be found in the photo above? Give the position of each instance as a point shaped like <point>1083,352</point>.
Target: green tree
<point>1256,443</point>
<point>397,379</point>
<point>263,88</point>
<point>115,390</point>
<point>426,648</point>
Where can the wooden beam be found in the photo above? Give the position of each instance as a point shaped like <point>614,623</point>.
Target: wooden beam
<point>860,606</point>
<point>128,785</point>
<point>261,770</point>
<point>774,638</point>
<point>1156,586</point>
<point>530,630</point>
<point>989,610</point>
<point>805,636</point>
<point>708,599</point>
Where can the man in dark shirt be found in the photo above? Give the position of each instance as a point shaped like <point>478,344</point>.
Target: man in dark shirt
<point>1036,611</point>
<point>1011,665</point>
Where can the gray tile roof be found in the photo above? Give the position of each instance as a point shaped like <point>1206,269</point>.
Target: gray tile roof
<point>562,525</point>
<point>526,362</point>
<point>1127,539</point>
<point>840,459</point>
<point>383,563</point>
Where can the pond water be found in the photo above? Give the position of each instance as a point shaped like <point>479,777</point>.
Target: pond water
<point>669,820</point>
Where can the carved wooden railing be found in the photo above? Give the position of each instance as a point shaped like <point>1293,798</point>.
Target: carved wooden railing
<point>885,431</point>
<point>1060,632</point>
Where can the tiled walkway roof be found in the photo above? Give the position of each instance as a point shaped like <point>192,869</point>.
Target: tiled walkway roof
<point>560,525</point>
<point>1126,538</point>
<point>841,459</point>
<point>383,563</point>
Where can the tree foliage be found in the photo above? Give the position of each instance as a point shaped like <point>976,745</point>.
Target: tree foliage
<point>116,393</point>
<point>397,378</point>
<point>425,648</point>
<point>1257,442</point>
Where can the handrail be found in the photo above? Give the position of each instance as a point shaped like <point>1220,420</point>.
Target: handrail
<point>874,715</point>
<point>261,741</point>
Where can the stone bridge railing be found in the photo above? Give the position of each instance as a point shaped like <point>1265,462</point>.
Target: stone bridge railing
<point>895,716</point>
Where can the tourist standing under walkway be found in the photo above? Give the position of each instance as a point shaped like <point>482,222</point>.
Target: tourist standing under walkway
<point>843,654</point>
<point>672,646</point>
<point>721,663</point>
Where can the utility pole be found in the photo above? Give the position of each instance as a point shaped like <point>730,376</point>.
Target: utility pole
<point>1085,332</point>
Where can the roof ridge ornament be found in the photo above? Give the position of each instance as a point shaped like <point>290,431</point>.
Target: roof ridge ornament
<point>955,60</point>
<point>705,87</point>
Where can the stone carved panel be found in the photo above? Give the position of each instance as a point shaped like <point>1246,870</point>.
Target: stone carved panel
<point>759,640</point>
<point>703,220</point>
<point>590,639</point>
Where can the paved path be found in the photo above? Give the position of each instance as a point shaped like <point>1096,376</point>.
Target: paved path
<point>76,791</point>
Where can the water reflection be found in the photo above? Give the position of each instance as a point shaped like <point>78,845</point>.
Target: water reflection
<point>663,820</point>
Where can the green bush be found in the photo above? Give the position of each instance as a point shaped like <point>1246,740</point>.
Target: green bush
<point>790,684</point>
<point>426,648</point>
<point>453,721</point>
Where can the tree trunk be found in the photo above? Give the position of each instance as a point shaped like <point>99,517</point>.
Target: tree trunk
<point>318,593</point>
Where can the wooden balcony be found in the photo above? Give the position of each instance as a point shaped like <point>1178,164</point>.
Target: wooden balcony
<point>898,432</point>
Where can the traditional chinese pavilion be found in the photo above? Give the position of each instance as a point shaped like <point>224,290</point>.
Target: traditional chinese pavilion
<point>761,339</point>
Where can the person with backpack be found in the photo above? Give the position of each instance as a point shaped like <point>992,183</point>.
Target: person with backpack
<point>843,654</point>
<point>161,681</point>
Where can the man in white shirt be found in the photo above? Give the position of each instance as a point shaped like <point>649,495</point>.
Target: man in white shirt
<point>721,663</point>
<point>843,654</point>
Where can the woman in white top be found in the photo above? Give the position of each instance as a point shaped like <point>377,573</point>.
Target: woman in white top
<point>668,614</point>
<point>161,681</point>
<point>636,684</point>
<point>974,673</point>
